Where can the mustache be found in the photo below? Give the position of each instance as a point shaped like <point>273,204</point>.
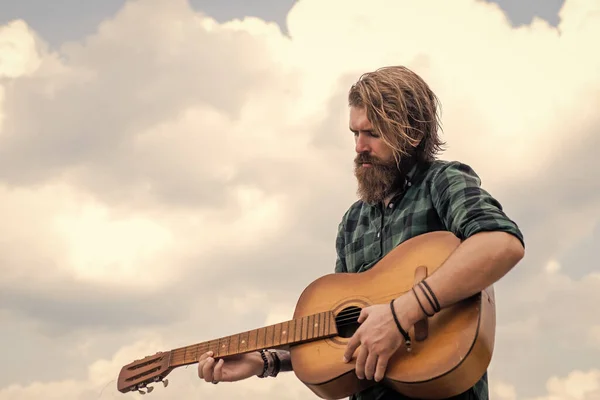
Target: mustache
<point>364,158</point>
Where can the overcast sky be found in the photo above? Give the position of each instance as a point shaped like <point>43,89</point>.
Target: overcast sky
<point>164,170</point>
<point>65,20</point>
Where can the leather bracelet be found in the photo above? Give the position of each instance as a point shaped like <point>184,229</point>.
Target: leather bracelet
<point>276,364</point>
<point>421,304</point>
<point>436,307</point>
<point>404,334</point>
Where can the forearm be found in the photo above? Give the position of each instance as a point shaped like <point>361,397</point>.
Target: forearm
<point>477,263</point>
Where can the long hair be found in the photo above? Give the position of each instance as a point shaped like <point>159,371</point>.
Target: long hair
<point>403,110</point>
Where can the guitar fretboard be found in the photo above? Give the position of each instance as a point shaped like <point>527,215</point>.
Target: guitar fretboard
<point>296,331</point>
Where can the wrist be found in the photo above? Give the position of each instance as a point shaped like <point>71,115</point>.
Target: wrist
<point>271,364</point>
<point>408,310</point>
<point>258,363</point>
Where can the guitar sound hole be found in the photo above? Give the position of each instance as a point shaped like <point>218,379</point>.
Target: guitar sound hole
<point>346,321</point>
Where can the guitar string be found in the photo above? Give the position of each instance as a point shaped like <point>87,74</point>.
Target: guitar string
<point>340,322</point>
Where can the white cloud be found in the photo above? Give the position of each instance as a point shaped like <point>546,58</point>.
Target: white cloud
<point>19,52</point>
<point>181,171</point>
<point>552,266</point>
<point>577,385</point>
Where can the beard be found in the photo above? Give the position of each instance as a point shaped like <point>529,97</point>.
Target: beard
<point>379,180</point>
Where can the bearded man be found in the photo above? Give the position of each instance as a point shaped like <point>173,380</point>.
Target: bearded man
<point>404,191</point>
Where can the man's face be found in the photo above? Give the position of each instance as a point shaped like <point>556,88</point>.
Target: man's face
<point>375,167</point>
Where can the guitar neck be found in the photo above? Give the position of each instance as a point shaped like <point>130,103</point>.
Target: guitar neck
<point>288,333</point>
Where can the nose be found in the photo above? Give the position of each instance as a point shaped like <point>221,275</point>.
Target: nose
<point>362,143</point>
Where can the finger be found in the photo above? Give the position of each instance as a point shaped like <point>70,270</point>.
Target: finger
<point>207,370</point>
<point>363,315</point>
<point>218,371</point>
<point>360,362</point>
<point>351,347</point>
<point>201,362</point>
<point>382,362</point>
<point>370,365</point>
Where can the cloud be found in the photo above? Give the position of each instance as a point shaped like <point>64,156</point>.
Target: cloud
<point>170,179</point>
<point>577,385</point>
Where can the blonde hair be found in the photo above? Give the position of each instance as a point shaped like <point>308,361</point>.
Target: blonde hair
<point>402,109</point>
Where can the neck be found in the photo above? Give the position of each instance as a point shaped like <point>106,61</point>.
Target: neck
<point>282,335</point>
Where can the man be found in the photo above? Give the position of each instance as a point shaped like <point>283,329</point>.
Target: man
<point>404,192</point>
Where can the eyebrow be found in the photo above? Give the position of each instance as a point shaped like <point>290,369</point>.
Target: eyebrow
<point>361,130</point>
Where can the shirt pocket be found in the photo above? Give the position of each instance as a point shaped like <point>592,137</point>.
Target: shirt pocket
<point>355,252</point>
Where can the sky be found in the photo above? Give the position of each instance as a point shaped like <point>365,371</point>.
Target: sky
<point>165,167</point>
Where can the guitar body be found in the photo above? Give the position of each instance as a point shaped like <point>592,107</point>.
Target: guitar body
<point>454,347</point>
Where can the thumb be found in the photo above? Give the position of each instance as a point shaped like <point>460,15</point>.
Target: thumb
<point>363,315</point>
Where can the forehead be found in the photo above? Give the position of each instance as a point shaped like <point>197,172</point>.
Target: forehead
<point>359,120</point>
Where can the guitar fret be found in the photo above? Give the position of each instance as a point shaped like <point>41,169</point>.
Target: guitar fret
<point>260,343</point>
<point>285,334</point>
<point>297,331</point>
<point>277,335</point>
<point>269,336</point>
<point>242,344</point>
<point>272,335</point>
<point>293,330</point>
<point>321,324</point>
<point>306,330</point>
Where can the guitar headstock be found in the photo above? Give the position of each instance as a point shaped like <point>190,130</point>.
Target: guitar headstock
<point>141,373</point>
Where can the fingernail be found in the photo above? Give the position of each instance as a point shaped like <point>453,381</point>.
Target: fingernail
<point>345,359</point>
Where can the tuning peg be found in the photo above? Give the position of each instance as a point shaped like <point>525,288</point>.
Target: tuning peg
<point>166,382</point>
<point>141,391</point>
<point>150,389</point>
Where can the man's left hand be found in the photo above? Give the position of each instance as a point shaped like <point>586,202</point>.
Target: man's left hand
<point>378,338</point>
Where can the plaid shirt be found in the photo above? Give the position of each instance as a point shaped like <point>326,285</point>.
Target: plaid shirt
<point>441,196</point>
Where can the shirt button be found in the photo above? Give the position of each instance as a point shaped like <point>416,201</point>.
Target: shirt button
<point>391,205</point>
<point>378,234</point>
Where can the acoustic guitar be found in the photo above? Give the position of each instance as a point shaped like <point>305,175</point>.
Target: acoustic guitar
<point>450,351</point>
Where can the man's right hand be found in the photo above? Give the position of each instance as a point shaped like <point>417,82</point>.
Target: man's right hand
<point>235,368</point>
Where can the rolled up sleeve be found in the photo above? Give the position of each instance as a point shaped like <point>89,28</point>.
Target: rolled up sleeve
<point>465,207</point>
